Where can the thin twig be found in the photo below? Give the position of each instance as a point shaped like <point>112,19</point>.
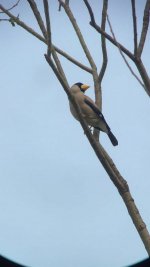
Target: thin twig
<point>107,36</point>
<point>49,41</point>
<point>41,38</point>
<point>125,60</point>
<point>59,8</point>
<point>22,24</point>
<point>146,19</point>
<point>134,26</point>
<point>12,6</point>
<point>4,19</point>
<point>103,41</point>
<point>38,17</point>
<point>73,60</point>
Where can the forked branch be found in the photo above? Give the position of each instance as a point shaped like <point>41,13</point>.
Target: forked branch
<point>136,59</point>
<point>107,36</point>
<point>20,23</point>
<point>125,60</point>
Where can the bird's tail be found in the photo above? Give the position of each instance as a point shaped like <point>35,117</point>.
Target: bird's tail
<point>112,138</point>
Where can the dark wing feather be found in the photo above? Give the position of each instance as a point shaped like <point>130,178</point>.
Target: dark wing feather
<point>97,111</point>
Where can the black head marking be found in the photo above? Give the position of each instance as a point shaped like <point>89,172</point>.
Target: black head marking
<point>79,85</point>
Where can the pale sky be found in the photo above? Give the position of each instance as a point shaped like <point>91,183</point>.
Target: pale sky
<point>58,205</point>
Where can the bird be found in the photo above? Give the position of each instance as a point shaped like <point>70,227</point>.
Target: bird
<point>90,111</point>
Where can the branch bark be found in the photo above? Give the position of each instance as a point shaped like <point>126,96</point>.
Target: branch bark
<point>104,63</point>
<point>49,39</point>
<point>12,7</point>
<point>38,17</point>
<point>103,41</point>
<point>144,28</point>
<point>134,26</point>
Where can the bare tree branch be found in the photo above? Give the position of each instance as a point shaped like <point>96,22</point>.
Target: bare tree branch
<point>58,74</point>
<point>134,25</point>
<point>125,60</point>
<point>103,41</point>
<point>97,87</point>
<point>103,157</point>
<point>49,42</point>
<point>136,60</point>
<point>146,19</point>
<point>79,34</point>
<point>109,167</point>
<point>41,24</point>
<point>144,75</point>
<point>96,133</point>
<point>73,60</point>
<point>5,20</point>
<point>107,36</point>
<point>86,51</point>
<point>141,68</point>
<point>105,160</point>
<point>38,17</point>
<point>41,38</point>
<point>66,3</point>
<point>22,24</point>
<point>46,33</point>
<point>58,64</point>
<point>11,7</point>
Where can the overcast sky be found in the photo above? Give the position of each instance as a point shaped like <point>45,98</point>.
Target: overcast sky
<point>58,205</point>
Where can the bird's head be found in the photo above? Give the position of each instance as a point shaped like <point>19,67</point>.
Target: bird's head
<point>80,86</point>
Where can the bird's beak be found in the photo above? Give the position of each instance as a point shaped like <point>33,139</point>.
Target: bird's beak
<point>85,87</point>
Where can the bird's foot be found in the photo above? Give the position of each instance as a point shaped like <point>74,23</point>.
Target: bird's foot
<point>90,128</point>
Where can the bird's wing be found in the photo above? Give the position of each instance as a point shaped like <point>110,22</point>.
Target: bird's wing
<point>96,110</point>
